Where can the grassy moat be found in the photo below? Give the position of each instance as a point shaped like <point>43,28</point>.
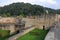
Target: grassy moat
<point>36,34</point>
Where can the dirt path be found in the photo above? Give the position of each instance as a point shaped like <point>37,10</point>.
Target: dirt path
<point>20,34</point>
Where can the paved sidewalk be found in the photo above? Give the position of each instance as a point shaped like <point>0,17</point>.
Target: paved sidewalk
<point>20,34</point>
<point>54,33</point>
<point>57,32</point>
<point>50,35</point>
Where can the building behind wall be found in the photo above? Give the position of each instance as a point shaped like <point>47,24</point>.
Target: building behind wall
<point>11,23</point>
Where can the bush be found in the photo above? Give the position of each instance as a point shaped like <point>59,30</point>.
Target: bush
<point>4,33</point>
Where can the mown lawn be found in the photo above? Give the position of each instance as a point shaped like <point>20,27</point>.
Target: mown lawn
<point>4,34</point>
<point>36,34</point>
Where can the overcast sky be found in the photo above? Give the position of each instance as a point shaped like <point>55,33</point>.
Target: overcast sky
<point>55,4</point>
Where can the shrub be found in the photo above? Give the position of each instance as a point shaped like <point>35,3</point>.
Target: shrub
<point>4,33</point>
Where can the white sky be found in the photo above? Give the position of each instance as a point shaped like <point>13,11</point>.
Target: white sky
<point>47,3</point>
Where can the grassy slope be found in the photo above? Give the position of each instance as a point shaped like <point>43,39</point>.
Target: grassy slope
<point>36,34</point>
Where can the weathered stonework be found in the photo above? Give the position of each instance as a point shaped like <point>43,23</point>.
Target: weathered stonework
<point>11,23</point>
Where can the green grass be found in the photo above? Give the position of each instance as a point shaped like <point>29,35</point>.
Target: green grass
<point>36,34</point>
<point>4,34</point>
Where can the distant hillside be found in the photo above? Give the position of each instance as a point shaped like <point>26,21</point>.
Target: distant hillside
<point>58,11</point>
<point>24,9</point>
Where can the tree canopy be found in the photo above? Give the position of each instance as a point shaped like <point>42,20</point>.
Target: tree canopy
<point>26,9</point>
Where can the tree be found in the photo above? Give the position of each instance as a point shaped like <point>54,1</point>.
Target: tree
<point>16,9</point>
<point>20,16</point>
